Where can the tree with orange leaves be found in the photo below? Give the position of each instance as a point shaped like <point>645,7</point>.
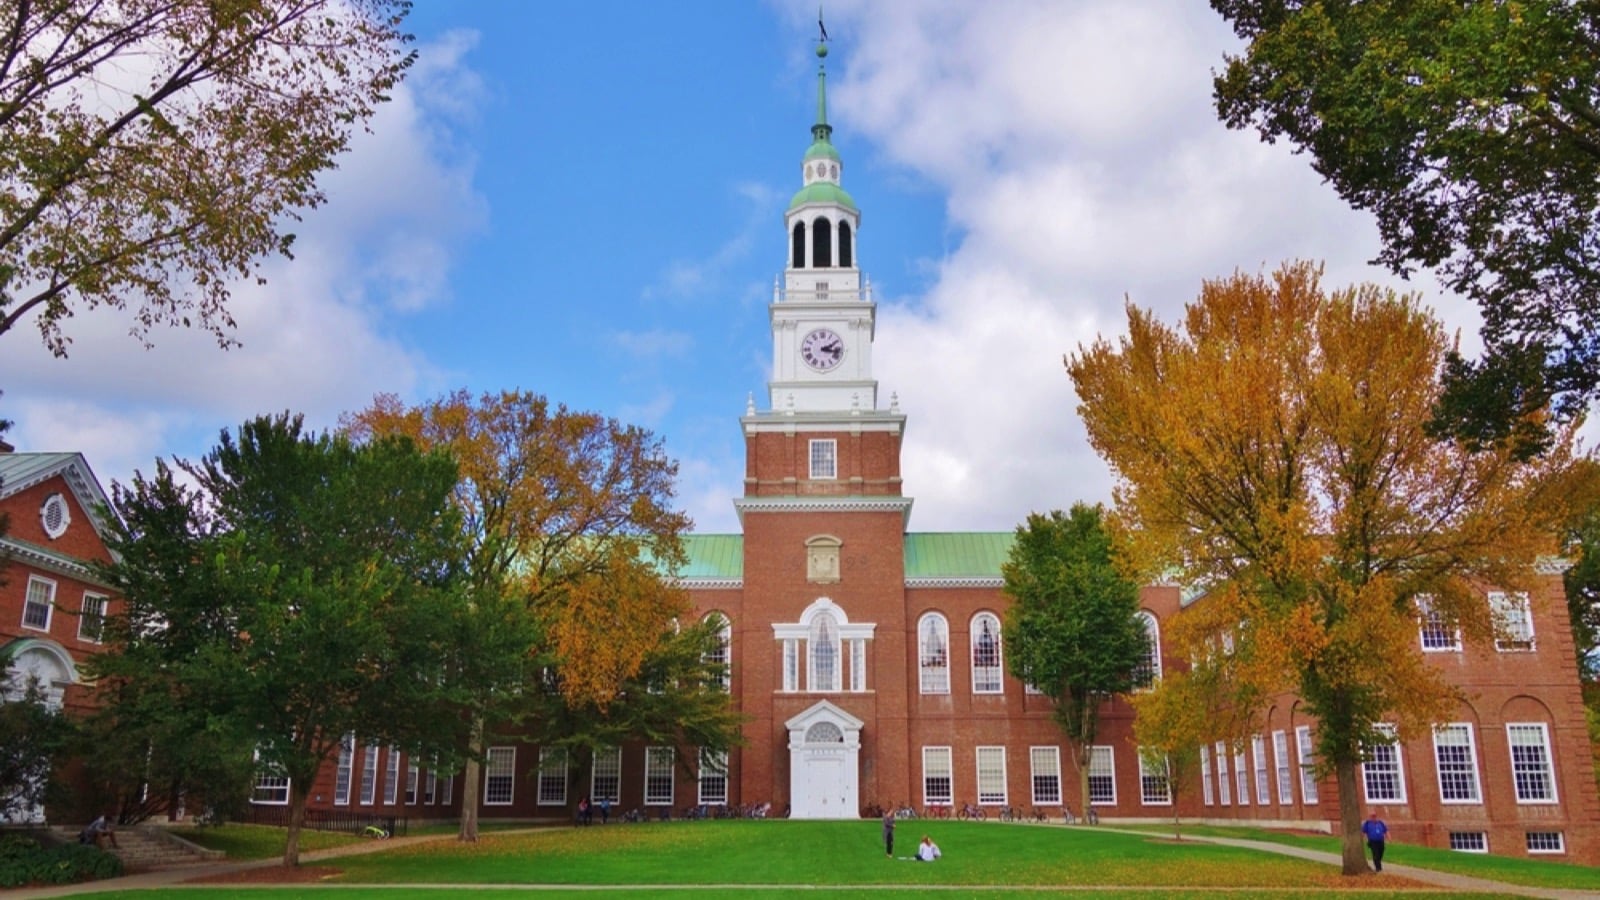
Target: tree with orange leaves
<point>569,526</point>
<point>1273,451</point>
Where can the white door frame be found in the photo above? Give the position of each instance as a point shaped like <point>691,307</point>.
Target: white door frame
<point>824,739</point>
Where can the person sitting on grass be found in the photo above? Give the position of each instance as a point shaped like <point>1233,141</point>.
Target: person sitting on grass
<point>927,851</point>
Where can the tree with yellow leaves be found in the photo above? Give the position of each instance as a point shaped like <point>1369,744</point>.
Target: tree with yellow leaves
<point>1273,452</point>
<point>569,525</point>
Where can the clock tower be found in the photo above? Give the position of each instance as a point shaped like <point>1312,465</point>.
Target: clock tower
<point>822,614</point>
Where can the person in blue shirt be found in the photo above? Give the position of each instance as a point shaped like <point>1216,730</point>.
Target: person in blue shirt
<point>1376,833</point>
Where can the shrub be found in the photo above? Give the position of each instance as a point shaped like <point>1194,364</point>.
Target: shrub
<point>23,860</point>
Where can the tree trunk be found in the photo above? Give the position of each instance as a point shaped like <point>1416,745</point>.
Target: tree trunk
<point>1354,855</point>
<point>298,795</point>
<point>1082,755</point>
<point>470,785</point>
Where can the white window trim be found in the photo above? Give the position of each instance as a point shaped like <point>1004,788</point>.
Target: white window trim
<point>1051,756</point>
<point>413,785</point>
<point>988,798</point>
<point>369,774</point>
<point>552,769</point>
<point>49,603</point>
<point>1424,617</point>
<point>653,767</point>
<point>1283,774</point>
<point>1483,841</point>
<point>1258,749</point>
<point>927,672</point>
<point>1206,791</point>
<point>1152,628</point>
<point>713,769</point>
<point>1399,772</point>
<point>103,604</point>
<point>1549,764</point>
<point>496,758</point>
<point>345,772</point>
<point>948,772</point>
<point>613,769</point>
<point>724,652</point>
<point>1102,754</point>
<point>998,669</point>
<point>1306,756</point>
<point>1472,755</point>
<point>1559,849</point>
<point>1146,775</point>
<point>1224,788</point>
<point>831,455</point>
<point>58,501</point>
<point>1241,777</point>
<point>1501,600</point>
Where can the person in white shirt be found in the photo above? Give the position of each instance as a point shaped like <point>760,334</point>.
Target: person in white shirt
<point>928,851</point>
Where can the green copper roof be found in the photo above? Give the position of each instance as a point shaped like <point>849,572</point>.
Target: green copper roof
<point>822,150</point>
<point>957,554</point>
<point>713,556</point>
<point>822,192</point>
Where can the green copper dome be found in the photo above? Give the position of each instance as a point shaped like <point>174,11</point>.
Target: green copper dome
<point>823,192</point>
<point>822,150</point>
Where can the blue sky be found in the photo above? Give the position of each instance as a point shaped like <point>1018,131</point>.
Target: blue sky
<point>585,200</point>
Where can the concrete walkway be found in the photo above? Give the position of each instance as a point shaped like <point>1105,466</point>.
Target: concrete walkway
<point>172,879</point>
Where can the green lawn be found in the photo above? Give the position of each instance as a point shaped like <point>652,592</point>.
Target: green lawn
<point>734,858</point>
<point>260,841</point>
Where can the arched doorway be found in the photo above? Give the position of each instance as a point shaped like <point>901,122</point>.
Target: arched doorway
<point>824,763</point>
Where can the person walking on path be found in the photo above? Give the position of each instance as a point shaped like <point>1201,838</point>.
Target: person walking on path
<point>1376,833</point>
<point>888,834</point>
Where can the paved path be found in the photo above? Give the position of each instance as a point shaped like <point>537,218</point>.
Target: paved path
<point>173,878</point>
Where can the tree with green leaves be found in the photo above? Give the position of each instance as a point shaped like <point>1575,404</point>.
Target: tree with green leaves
<point>1308,500</point>
<point>1471,131</point>
<point>1073,628</point>
<point>569,528</point>
<point>305,589</point>
<point>153,151</point>
<point>34,736</point>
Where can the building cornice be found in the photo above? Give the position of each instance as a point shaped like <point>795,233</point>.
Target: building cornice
<point>957,581</point>
<point>791,422</point>
<point>40,558</point>
<point>743,505</point>
<point>710,584</point>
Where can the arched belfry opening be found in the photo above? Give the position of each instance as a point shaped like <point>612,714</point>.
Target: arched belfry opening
<point>821,243</point>
<point>845,254</point>
<point>797,252</point>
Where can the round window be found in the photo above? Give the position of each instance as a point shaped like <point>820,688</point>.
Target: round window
<point>55,516</point>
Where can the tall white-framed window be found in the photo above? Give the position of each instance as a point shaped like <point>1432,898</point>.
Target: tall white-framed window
<point>1513,621</point>
<point>791,664</point>
<point>1155,788</point>
<point>992,775</point>
<point>345,771</point>
<point>987,673</point>
<point>822,656</point>
<point>430,786</point>
<point>1258,750</point>
<point>1241,774</point>
<point>1532,771</point>
<point>1224,793</point>
<point>938,779</point>
<point>449,782</point>
<point>552,776</point>
<point>1308,764</point>
<point>1102,776</point>
<point>1437,632</point>
<point>391,780</point>
<point>1456,758</point>
<point>1280,759</point>
<point>858,665</point>
<point>38,602</point>
<point>722,653</point>
<point>92,618</point>
<point>369,774</point>
<point>1382,772</point>
<point>933,654</point>
<point>658,786</point>
<point>605,779</point>
<point>1207,793</point>
<point>713,776</point>
<point>824,458</point>
<point>1045,775</point>
<point>499,776</point>
<point>413,778</point>
<point>272,789</point>
<point>1148,672</point>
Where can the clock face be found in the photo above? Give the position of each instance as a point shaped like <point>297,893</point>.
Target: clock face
<point>822,349</point>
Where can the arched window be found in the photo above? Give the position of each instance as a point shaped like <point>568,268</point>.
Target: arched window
<point>844,245</point>
<point>933,654</point>
<point>1149,670</point>
<point>823,643</point>
<point>797,251</point>
<point>821,243</point>
<point>986,671</point>
<point>722,655</point>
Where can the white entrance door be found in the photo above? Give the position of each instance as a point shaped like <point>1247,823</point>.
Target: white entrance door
<point>824,764</point>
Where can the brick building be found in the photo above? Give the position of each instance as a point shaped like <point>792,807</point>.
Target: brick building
<point>51,602</point>
<point>868,657</point>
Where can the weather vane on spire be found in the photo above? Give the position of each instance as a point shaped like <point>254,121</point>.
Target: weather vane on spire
<point>821,27</point>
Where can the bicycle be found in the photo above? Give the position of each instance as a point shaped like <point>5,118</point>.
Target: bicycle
<point>1009,814</point>
<point>375,832</point>
<point>1038,815</point>
<point>1092,817</point>
<point>974,813</point>
<point>1067,817</point>
<point>905,812</point>
<point>936,811</point>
